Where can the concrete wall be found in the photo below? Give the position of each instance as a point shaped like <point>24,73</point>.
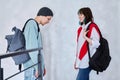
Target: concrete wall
<point>59,37</point>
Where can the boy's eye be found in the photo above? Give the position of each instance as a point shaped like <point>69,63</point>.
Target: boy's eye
<point>48,19</point>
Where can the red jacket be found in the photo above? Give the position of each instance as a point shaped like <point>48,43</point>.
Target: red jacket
<point>82,51</point>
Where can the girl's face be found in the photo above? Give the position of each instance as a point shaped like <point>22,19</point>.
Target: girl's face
<point>81,17</point>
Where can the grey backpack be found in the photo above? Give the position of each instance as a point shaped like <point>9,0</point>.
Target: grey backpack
<point>16,42</point>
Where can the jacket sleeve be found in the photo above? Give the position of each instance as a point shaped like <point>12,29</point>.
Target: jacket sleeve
<point>42,52</point>
<point>31,34</point>
<point>95,37</point>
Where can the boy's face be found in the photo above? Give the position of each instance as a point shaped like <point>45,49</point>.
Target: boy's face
<point>45,19</point>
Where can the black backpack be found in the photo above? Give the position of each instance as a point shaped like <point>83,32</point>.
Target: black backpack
<point>101,59</point>
<point>16,42</point>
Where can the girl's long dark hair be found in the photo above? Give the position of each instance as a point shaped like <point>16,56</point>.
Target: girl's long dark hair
<point>86,11</point>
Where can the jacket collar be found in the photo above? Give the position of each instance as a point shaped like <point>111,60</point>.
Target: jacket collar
<point>85,26</point>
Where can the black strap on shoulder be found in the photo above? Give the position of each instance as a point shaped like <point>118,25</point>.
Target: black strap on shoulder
<point>20,65</point>
<point>88,43</point>
<point>28,21</point>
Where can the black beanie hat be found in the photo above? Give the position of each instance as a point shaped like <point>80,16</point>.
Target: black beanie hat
<point>45,11</point>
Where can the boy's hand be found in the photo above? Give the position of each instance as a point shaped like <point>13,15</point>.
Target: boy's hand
<point>36,74</point>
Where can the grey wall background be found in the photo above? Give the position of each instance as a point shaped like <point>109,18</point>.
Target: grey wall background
<point>59,37</point>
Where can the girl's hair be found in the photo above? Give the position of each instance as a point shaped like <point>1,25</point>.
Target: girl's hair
<point>87,13</point>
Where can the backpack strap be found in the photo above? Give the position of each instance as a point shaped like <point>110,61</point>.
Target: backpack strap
<point>90,26</point>
<point>20,65</point>
<point>28,21</point>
